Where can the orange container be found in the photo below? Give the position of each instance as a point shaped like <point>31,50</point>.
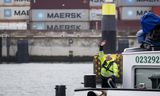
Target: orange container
<point>156,10</point>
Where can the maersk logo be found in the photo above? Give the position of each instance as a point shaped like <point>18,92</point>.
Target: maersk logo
<point>40,26</point>
<point>131,1</point>
<point>21,13</point>
<point>142,12</point>
<point>64,27</point>
<point>22,0</point>
<point>130,13</point>
<point>7,1</point>
<point>97,1</point>
<point>40,15</point>
<point>7,12</point>
<point>64,15</point>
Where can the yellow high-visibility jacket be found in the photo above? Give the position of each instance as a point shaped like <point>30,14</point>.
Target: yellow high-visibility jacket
<point>113,70</point>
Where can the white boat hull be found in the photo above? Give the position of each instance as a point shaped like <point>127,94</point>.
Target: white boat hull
<point>117,92</point>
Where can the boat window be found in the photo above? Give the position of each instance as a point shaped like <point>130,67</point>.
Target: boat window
<point>142,77</point>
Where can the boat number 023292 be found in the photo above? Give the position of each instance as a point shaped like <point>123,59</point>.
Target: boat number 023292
<point>147,59</point>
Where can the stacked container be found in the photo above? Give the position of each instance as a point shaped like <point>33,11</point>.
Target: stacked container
<point>14,14</point>
<point>130,12</point>
<point>59,15</point>
<point>156,9</point>
<point>95,14</point>
<point>67,22</point>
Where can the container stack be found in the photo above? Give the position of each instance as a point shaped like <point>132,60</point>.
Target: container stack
<point>130,12</point>
<point>14,14</point>
<point>95,14</point>
<point>156,10</point>
<point>59,15</point>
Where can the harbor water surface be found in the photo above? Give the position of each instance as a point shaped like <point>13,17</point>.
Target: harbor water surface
<point>40,79</point>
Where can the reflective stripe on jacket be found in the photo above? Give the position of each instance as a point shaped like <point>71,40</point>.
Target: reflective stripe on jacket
<point>113,67</point>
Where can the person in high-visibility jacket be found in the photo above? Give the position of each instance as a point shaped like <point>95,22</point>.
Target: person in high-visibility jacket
<point>109,68</point>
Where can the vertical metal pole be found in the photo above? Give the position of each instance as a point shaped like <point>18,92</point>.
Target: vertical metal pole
<point>0,49</point>
<point>96,25</point>
<point>109,27</point>
<point>4,47</point>
<point>8,48</point>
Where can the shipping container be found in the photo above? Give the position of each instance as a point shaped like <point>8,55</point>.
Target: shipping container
<point>138,2</point>
<point>59,4</point>
<point>14,13</point>
<point>15,2</point>
<point>96,3</point>
<point>13,25</point>
<point>95,25</point>
<point>60,26</point>
<point>133,13</point>
<point>60,15</point>
<point>95,14</point>
<point>156,10</point>
<point>128,26</point>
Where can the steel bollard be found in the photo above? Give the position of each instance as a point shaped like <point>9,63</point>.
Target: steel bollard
<point>60,90</point>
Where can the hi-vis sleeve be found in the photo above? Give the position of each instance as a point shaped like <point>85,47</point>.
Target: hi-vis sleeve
<point>115,69</point>
<point>101,55</point>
